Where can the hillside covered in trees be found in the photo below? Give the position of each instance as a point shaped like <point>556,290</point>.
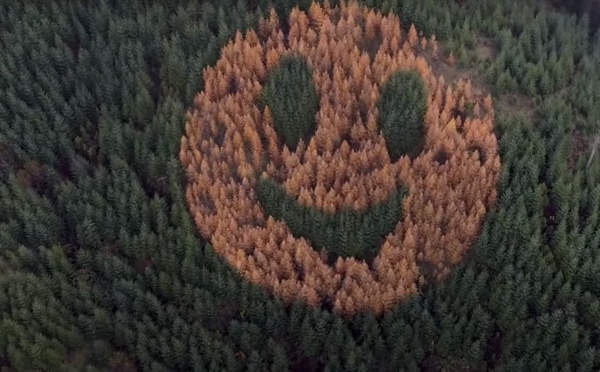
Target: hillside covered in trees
<point>259,185</point>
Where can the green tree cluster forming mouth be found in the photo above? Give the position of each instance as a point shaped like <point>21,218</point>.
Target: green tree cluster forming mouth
<point>347,233</point>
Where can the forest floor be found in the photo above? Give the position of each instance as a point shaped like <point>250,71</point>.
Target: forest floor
<point>509,105</point>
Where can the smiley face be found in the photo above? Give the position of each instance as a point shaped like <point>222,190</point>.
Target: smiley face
<point>232,146</point>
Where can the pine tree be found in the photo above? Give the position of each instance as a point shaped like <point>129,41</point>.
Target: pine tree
<point>280,360</point>
<point>308,339</point>
<point>254,362</point>
<point>544,84</point>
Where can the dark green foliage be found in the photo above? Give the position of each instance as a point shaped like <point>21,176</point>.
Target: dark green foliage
<point>402,108</point>
<point>100,264</point>
<point>292,97</point>
<point>587,8</point>
<point>346,233</point>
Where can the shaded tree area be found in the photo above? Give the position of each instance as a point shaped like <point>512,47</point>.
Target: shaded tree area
<point>589,8</point>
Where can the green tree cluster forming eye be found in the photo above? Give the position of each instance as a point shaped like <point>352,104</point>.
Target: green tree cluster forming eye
<point>347,233</point>
<point>292,97</point>
<point>402,108</point>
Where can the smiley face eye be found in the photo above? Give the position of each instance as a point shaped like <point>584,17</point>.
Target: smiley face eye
<point>292,97</point>
<point>402,108</point>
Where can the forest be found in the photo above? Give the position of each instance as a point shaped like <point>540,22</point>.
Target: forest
<point>262,185</point>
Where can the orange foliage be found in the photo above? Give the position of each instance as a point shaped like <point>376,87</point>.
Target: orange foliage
<point>230,143</point>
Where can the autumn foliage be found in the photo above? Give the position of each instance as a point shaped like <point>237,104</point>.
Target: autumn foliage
<point>230,143</point>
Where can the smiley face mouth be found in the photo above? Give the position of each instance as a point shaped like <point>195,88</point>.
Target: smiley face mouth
<point>345,233</point>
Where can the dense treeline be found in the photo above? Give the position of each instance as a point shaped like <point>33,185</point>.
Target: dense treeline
<point>101,267</point>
